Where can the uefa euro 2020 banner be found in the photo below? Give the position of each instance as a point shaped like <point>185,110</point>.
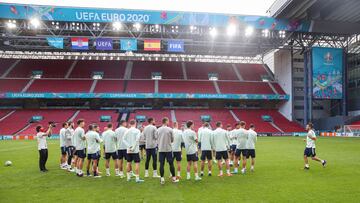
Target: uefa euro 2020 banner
<point>327,73</point>
<point>71,14</point>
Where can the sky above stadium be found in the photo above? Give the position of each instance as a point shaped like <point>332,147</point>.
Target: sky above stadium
<point>245,7</point>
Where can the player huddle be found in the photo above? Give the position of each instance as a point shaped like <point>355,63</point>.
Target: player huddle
<point>224,147</point>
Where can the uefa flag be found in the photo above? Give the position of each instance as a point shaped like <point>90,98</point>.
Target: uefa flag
<point>128,44</point>
<point>57,42</point>
<point>80,43</point>
<point>152,45</point>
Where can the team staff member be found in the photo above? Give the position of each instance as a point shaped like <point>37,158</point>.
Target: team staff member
<point>150,145</point>
<point>176,147</point>
<point>41,136</point>
<point>121,147</point>
<point>165,137</point>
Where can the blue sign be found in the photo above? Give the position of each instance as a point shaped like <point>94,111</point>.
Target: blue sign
<point>48,95</point>
<point>128,44</point>
<point>104,44</point>
<point>176,46</point>
<point>70,14</point>
<point>57,42</point>
<point>327,73</point>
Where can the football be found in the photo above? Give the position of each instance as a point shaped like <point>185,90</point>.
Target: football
<point>8,163</point>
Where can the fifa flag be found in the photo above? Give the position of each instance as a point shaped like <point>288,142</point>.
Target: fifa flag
<point>175,46</point>
<point>152,45</point>
<point>128,44</point>
<point>57,42</point>
<point>80,43</point>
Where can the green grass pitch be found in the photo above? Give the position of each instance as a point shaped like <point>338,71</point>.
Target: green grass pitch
<point>278,177</point>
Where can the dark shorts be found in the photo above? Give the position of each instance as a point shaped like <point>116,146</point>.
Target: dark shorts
<point>142,147</point>
<point>240,152</point>
<point>310,152</point>
<point>222,155</point>
<point>121,154</point>
<point>233,148</point>
<point>94,156</point>
<point>133,158</point>
<point>70,150</point>
<point>112,155</point>
<point>192,157</point>
<point>250,153</point>
<point>206,154</point>
<point>177,156</point>
<point>63,150</point>
<point>81,153</point>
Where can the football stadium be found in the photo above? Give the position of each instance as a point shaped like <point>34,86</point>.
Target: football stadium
<point>190,101</point>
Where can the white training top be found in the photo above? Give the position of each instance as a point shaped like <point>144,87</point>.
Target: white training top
<point>309,142</point>
<point>232,138</point>
<point>176,145</point>
<point>206,139</point>
<point>252,138</point>
<point>241,138</point>
<point>131,140</point>
<point>62,137</point>
<point>189,137</point>
<point>109,138</point>
<point>79,133</point>
<point>93,142</point>
<point>119,132</point>
<point>41,140</point>
<point>221,140</point>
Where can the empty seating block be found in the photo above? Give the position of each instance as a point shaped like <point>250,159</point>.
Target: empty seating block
<point>278,88</point>
<point>251,116</point>
<point>169,70</point>
<point>186,87</point>
<point>5,64</point>
<point>140,86</point>
<point>12,85</point>
<point>116,86</point>
<point>50,68</point>
<point>251,72</point>
<point>158,115</point>
<point>93,116</point>
<point>43,85</point>
<point>111,69</point>
<point>201,70</point>
<point>244,87</point>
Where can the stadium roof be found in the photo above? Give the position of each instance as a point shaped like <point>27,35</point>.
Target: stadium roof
<point>328,16</point>
<point>253,7</point>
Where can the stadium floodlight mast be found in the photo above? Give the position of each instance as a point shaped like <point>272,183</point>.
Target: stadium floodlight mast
<point>117,25</point>
<point>265,33</point>
<point>213,32</point>
<point>35,22</point>
<point>231,29</point>
<point>249,31</point>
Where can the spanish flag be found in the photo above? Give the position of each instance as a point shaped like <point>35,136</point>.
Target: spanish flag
<point>152,45</point>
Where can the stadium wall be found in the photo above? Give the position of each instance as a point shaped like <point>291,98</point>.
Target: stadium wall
<point>283,74</point>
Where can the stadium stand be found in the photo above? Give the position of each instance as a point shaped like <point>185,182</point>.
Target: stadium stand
<point>50,68</point>
<point>5,65</point>
<point>46,85</point>
<point>156,114</point>
<point>186,87</point>
<point>244,87</point>
<point>12,85</point>
<point>200,71</point>
<point>140,86</point>
<point>169,70</point>
<point>251,72</point>
<point>111,69</point>
<point>109,86</point>
<point>93,116</point>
